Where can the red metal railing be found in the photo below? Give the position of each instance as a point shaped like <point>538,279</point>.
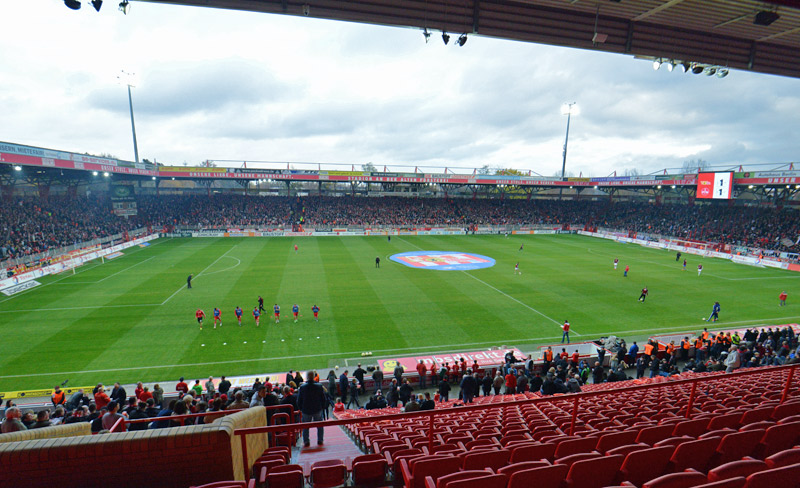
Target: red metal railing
<point>181,419</point>
<point>578,397</point>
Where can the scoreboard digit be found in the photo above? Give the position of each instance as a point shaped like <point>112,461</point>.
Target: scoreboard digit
<point>715,185</point>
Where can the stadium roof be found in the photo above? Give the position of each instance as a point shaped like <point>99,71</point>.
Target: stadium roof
<point>708,32</point>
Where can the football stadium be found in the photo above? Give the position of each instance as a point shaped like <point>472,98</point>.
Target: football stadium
<point>308,324</point>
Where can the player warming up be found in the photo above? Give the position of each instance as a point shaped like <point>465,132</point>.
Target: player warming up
<point>516,269</point>
<point>684,265</point>
<point>616,262</point>
<point>257,316</point>
<point>521,246</point>
<point>315,309</point>
<point>627,268</point>
<point>277,310</point>
<point>782,297</point>
<point>189,282</point>
<point>260,304</point>
<point>295,248</point>
<point>714,313</point>
<point>217,317</point>
<point>699,269</point>
<point>238,313</point>
<point>200,315</point>
<point>643,296</point>
<point>295,312</point>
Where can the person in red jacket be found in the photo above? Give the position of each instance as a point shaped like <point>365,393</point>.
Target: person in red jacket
<point>182,387</point>
<point>511,383</point>
<point>200,315</point>
<point>782,297</point>
<point>421,371</point>
<point>101,398</point>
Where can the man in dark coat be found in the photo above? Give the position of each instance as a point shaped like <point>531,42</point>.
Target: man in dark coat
<point>311,401</point>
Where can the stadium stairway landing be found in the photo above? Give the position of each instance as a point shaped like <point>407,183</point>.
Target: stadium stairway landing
<point>337,446</point>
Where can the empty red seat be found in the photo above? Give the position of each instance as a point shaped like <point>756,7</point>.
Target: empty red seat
<point>640,466</point>
<point>607,442</point>
<point>286,476</point>
<point>651,435</point>
<point>778,438</point>
<point>545,477</point>
<point>514,467</point>
<point>729,483</point>
<point>224,484</point>
<point>734,469</point>
<point>624,450</point>
<point>693,454</point>
<point>729,420</point>
<point>368,472</point>
<point>784,458</point>
<point>593,473</point>
<point>692,428</point>
<point>756,415</point>
<point>415,470</point>
<point>328,473</point>
<point>532,452</point>
<point>687,479</point>
<point>776,477</point>
<point>468,479</point>
<point>494,459</point>
<point>787,409</point>
<point>736,446</point>
<point>575,446</point>
<point>573,458</point>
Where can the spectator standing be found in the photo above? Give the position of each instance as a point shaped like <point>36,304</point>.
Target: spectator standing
<point>311,401</point>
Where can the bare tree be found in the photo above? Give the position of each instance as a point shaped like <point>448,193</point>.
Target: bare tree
<point>694,166</point>
<point>631,172</point>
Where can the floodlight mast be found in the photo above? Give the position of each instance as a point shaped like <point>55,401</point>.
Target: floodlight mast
<point>567,109</point>
<point>127,81</point>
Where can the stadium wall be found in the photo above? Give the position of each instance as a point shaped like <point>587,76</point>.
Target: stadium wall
<point>175,457</point>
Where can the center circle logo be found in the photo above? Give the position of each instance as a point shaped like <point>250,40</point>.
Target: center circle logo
<point>443,260</point>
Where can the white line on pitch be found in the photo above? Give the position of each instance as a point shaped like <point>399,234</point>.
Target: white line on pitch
<point>238,262</point>
<point>198,274</point>
<point>504,293</point>
<point>80,308</point>
<point>126,269</point>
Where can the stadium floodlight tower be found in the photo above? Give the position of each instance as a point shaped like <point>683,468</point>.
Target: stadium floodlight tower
<point>128,79</point>
<point>567,109</point>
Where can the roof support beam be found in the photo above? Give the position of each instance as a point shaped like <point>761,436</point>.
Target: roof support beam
<point>663,6</point>
<point>476,12</point>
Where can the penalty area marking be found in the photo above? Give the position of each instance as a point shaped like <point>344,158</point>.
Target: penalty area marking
<point>199,274</point>
<point>238,262</point>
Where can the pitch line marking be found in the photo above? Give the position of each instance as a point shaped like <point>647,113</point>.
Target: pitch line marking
<point>380,353</point>
<point>80,308</point>
<point>199,274</point>
<point>504,294</point>
<point>238,262</point>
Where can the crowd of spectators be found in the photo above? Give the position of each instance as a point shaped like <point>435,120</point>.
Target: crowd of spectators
<point>32,226</point>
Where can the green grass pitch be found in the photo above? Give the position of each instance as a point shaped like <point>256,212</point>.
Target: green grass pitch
<point>132,318</point>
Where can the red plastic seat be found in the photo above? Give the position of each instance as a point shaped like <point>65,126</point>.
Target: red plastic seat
<point>369,472</point>
<point>784,458</point>
<point>729,483</point>
<point>756,415</point>
<point>224,484</point>
<point>729,420</point>
<point>687,479</point>
<point>624,450</point>
<point>514,467</point>
<point>415,470</point>
<point>545,477</point>
<point>574,458</point>
<point>692,428</point>
<point>693,454</point>
<point>286,476</point>
<point>760,425</point>
<point>494,459</point>
<point>772,478</point>
<point>532,452</point>
<point>284,451</point>
<point>778,438</point>
<point>643,465</point>
<point>606,442</point>
<point>673,441</point>
<point>328,473</point>
<point>734,469</point>
<point>593,473</point>
<point>787,409</point>
<point>394,458</point>
<point>736,446</point>
<point>651,435</point>
<point>575,446</point>
<point>468,479</point>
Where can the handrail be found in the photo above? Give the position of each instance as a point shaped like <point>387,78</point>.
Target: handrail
<point>432,414</point>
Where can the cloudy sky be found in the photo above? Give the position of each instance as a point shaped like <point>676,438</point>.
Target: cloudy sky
<point>223,85</point>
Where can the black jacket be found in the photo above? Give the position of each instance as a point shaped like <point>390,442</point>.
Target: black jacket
<point>311,398</point>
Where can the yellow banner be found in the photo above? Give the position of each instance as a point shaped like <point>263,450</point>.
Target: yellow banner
<point>346,173</point>
<point>42,393</point>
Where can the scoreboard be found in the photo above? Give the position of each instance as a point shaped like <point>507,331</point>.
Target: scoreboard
<point>715,185</point>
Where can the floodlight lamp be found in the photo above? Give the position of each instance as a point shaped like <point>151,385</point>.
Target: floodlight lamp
<point>154,177</point>
<point>722,72</point>
<point>106,174</point>
<point>94,173</point>
<point>673,187</point>
<point>173,178</point>
<point>710,70</point>
<point>659,187</point>
<point>684,67</point>
<point>570,109</point>
<point>697,69</point>
<point>750,187</point>
<point>125,7</point>
<point>97,4</point>
<point>426,35</point>
<point>73,4</point>
<point>462,39</point>
<point>766,17</point>
<point>18,168</point>
<point>445,37</point>
<point>657,64</point>
<point>670,66</point>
